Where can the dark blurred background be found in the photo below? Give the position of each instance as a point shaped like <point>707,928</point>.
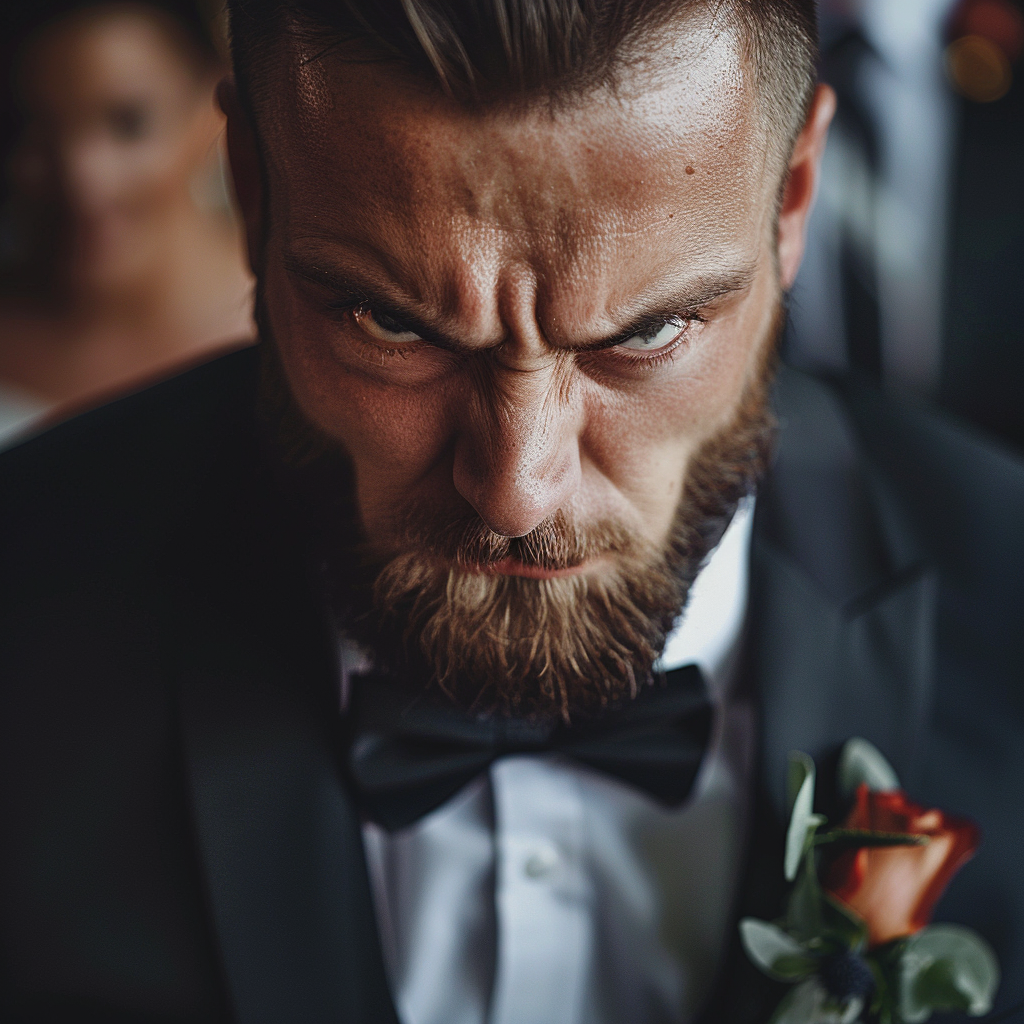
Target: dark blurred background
<point>121,257</point>
<point>914,274</point>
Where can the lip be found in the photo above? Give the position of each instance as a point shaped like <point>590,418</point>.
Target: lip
<point>513,567</point>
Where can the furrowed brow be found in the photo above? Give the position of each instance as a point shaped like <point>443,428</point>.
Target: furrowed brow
<point>347,290</point>
<point>690,300</point>
<point>336,278</point>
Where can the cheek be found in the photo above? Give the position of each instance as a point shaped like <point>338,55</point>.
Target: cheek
<point>643,441</point>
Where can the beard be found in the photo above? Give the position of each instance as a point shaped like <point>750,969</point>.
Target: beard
<point>435,613</point>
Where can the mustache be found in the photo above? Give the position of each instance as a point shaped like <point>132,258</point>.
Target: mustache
<point>557,543</point>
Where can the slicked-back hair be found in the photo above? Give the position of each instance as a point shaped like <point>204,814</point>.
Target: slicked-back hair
<point>488,51</point>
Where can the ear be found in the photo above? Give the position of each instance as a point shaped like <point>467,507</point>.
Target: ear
<point>246,168</point>
<point>802,184</point>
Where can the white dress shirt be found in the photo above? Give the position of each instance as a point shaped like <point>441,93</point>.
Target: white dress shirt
<point>548,893</point>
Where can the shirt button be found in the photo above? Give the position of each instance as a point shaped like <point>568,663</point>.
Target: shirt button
<point>541,862</point>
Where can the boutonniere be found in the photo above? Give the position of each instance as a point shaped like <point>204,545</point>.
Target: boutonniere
<point>855,941</point>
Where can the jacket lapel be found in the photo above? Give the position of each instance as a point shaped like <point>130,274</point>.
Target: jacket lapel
<point>278,836</point>
<point>842,620</point>
<point>842,600</point>
<point>827,673</point>
<point>282,852</point>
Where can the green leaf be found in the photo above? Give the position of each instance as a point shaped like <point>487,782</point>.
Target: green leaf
<point>774,952</point>
<point>802,821</point>
<point>861,761</point>
<point>883,1002</point>
<point>842,922</point>
<point>800,767</point>
<point>802,1005</point>
<point>936,988</point>
<point>809,1003</point>
<point>803,912</point>
<point>860,837</point>
<point>794,967</point>
<point>946,967</point>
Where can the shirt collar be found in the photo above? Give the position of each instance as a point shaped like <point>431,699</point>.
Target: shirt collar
<point>709,630</point>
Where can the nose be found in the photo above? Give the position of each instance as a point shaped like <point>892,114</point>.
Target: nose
<point>517,458</point>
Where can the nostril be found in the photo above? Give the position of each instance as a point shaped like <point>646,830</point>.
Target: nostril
<point>507,513</point>
<point>514,496</point>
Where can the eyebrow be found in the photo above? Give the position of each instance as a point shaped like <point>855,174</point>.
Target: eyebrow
<point>349,292</point>
<point>688,301</point>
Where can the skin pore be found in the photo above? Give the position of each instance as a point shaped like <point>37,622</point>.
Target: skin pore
<point>520,316</point>
<point>129,273</point>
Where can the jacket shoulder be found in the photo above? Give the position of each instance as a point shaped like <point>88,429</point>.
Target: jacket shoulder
<point>938,488</point>
<point>97,822</point>
<point>116,473</point>
<point>962,491</point>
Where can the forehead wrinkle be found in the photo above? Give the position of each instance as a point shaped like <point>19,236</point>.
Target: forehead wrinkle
<point>497,400</point>
<point>538,194</point>
<point>470,289</point>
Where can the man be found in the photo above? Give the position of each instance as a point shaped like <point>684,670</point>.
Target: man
<point>342,681</point>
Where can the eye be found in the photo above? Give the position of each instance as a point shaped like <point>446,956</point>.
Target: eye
<point>657,337</point>
<point>383,328</point>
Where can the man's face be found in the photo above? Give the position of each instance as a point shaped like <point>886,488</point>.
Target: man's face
<point>523,316</point>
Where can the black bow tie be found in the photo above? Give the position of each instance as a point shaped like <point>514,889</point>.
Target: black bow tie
<point>407,756</point>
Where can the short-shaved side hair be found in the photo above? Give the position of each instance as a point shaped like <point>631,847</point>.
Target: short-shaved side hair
<point>504,51</point>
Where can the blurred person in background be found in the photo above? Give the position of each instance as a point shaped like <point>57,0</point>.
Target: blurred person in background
<point>121,258</point>
<point>916,248</point>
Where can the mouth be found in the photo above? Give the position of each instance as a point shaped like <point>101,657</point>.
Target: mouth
<point>513,567</point>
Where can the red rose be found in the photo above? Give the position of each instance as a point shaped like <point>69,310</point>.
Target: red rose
<point>894,889</point>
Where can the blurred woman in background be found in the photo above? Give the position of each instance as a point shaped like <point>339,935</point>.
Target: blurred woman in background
<point>120,258</point>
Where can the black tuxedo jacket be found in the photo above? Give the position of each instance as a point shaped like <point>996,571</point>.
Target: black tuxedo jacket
<point>177,841</point>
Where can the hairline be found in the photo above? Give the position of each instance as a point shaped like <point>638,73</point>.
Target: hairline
<point>780,139</point>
